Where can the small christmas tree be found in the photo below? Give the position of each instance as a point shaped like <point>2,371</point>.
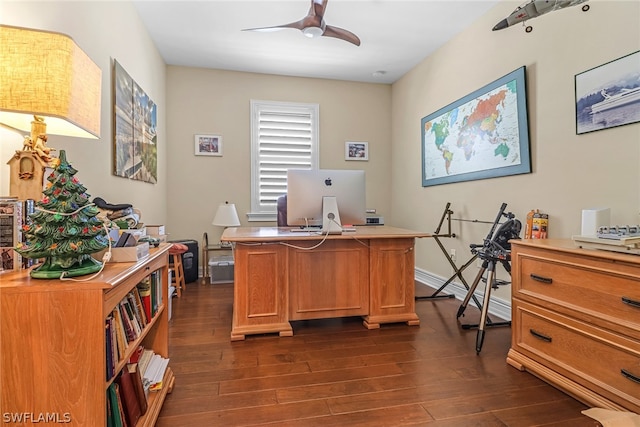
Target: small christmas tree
<point>64,229</point>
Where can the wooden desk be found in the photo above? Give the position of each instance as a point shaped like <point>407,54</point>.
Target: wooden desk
<point>282,275</point>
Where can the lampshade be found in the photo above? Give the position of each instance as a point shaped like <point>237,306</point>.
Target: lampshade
<point>46,74</point>
<point>226,216</point>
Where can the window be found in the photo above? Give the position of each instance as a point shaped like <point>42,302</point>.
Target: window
<point>283,136</point>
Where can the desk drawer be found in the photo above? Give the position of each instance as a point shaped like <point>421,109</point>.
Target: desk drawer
<point>590,356</point>
<point>590,294</point>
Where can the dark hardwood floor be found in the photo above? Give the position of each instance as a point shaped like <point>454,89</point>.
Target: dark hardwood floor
<point>337,373</point>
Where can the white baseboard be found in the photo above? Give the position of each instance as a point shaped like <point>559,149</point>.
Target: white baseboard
<point>497,307</point>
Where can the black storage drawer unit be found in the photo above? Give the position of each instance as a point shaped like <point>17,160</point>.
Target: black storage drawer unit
<point>189,260</point>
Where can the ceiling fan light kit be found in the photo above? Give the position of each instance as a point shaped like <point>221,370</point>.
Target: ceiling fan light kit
<point>312,32</point>
<point>313,25</point>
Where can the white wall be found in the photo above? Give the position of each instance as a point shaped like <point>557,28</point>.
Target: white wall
<point>105,31</point>
<point>218,102</point>
<point>570,172</point>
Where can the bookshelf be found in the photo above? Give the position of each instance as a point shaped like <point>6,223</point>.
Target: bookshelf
<point>53,352</point>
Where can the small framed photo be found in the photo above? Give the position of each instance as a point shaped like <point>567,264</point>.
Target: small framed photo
<point>356,150</point>
<point>208,145</point>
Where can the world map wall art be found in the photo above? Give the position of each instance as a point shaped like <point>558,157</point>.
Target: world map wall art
<point>134,130</point>
<point>483,135</point>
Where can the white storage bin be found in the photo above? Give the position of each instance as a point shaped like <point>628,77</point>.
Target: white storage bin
<point>221,269</point>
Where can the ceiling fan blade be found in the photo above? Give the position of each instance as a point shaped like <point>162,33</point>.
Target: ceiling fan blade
<point>341,33</point>
<point>313,25</point>
<point>298,25</point>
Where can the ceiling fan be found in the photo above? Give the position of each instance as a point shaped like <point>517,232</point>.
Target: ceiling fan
<point>313,25</point>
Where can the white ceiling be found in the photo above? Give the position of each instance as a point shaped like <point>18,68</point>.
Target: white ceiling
<point>395,34</point>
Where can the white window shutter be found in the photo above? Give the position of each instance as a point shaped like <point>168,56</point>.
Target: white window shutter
<point>284,136</point>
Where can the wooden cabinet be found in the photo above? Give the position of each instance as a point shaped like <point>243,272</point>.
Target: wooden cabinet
<point>329,281</point>
<point>53,346</point>
<point>392,283</point>
<point>260,291</point>
<point>576,320</point>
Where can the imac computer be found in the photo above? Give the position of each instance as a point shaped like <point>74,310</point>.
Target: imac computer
<point>326,198</point>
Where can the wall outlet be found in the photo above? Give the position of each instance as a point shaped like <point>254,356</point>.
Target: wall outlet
<point>452,255</point>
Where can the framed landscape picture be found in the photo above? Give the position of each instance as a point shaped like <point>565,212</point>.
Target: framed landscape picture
<point>135,138</point>
<point>208,145</point>
<point>483,135</point>
<point>356,150</point>
<point>608,95</point>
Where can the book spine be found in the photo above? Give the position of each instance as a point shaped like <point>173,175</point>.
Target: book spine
<point>121,337</point>
<point>129,397</point>
<point>139,308</point>
<point>144,290</point>
<point>114,405</point>
<point>138,387</point>
<point>110,366</point>
<point>154,294</point>
<point>128,327</point>
<point>134,310</point>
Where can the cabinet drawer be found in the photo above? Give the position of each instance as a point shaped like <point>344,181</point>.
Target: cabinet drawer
<point>595,358</point>
<point>597,296</point>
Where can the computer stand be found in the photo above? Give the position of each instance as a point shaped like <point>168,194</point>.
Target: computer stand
<point>457,270</point>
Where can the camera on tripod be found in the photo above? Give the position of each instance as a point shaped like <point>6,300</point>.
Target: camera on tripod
<point>496,245</point>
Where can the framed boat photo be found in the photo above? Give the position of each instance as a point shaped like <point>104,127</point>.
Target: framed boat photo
<point>608,95</point>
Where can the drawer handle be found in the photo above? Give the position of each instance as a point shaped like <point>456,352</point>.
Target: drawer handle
<point>631,302</point>
<point>539,335</point>
<point>541,278</point>
<point>630,376</point>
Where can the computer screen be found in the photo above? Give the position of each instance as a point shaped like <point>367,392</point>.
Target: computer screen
<point>306,189</point>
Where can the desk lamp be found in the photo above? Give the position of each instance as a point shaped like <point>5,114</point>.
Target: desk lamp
<point>46,76</point>
<point>226,216</point>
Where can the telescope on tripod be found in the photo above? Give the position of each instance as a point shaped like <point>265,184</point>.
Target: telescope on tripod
<point>494,249</point>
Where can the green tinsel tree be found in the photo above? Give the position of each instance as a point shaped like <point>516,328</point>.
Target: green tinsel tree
<point>64,229</point>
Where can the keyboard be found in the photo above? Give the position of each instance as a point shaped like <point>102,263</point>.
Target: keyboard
<point>619,232</point>
<point>305,229</point>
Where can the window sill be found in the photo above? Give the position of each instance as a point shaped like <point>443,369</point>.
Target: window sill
<point>261,216</point>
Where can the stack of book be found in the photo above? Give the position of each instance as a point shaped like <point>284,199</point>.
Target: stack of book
<point>127,397</point>
<point>152,368</point>
<point>129,318</point>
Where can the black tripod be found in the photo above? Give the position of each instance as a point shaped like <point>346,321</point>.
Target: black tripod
<point>496,248</point>
<point>457,270</point>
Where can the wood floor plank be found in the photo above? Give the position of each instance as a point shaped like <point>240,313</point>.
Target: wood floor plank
<point>543,413</point>
<point>335,372</point>
<point>251,416</point>
<point>487,402</point>
<point>298,379</point>
<point>406,415</point>
<point>344,388</point>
